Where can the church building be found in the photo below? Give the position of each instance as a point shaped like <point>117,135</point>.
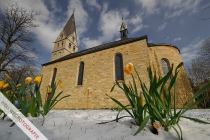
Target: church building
<point>89,75</point>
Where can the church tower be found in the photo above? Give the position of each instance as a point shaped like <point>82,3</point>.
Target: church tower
<point>66,42</point>
<point>123,30</point>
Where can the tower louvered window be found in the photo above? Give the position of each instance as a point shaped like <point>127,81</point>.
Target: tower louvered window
<point>54,75</point>
<point>81,73</point>
<point>119,67</point>
<point>165,65</point>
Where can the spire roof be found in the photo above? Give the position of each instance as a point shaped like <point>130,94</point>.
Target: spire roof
<point>123,26</point>
<point>70,26</point>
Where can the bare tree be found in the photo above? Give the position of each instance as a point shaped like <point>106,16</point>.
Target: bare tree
<point>16,37</point>
<point>199,72</point>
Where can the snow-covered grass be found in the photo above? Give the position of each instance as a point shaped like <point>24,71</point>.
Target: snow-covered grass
<point>81,125</point>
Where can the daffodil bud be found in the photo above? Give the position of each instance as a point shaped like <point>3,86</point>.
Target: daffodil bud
<point>6,85</point>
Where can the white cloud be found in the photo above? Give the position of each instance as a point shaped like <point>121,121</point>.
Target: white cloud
<point>161,27</point>
<point>137,22</point>
<point>191,51</point>
<point>174,8</point>
<point>55,6</point>
<point>177,7</point>
<point>148,5</point>
<point>93,3</point>
<point>173,14</point>
<point>177,39</point>
<point>110,22</point>
<point>109,26</point>
<point>47,34</point>
<point>90,42</point>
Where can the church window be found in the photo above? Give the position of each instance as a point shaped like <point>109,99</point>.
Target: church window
<point>80,73</point>
<point>58,44</point>
<point>73,38</point>
<point>74,49</point>
<point>70,45</point>
<point>62,43</point>
<point>165,65</point>
<point>53,77</point>
<point>119,75</point>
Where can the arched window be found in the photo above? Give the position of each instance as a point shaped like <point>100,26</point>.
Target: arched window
<point>80,74</point>
<point>62,43</point>
<point>53,77</point>
<point>74,49</point>
<point>165,66</point>
<point>119,67</point>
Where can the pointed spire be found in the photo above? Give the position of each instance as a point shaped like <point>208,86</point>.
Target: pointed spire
<point>123,30</point>
<point>70,26</point>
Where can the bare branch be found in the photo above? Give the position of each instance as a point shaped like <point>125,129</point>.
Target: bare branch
<point>16,24</point>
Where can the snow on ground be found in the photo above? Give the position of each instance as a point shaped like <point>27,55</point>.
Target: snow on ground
<point>81,125</point>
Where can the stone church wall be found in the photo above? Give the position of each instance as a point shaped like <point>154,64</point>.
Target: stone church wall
<point>99,74</point>
<point>157,53</point>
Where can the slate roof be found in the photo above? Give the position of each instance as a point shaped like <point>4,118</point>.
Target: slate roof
<point>70,26</point>
<point>104,47</point>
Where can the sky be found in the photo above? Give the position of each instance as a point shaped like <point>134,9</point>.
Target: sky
<point>176,22</point>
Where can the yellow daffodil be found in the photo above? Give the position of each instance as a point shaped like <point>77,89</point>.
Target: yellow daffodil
<point>18,85</point>
<point>28,80</point>
<point>60,84</point>
<point>155,125</point>
<point>128,69</point>
<point>7,75</point>
<point>1,84</point>
<point>37,79</point>
<point>6,85</point>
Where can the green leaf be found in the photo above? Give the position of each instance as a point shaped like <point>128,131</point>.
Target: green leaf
<point>112,88</point>
<point>113,120</point>
<point>196,120</point>
<point>143,124</point>
<point>116,101</point>
<point>180,138</point>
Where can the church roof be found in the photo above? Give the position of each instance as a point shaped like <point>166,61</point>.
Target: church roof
<point>70,26</point>
<point>106,46</point>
